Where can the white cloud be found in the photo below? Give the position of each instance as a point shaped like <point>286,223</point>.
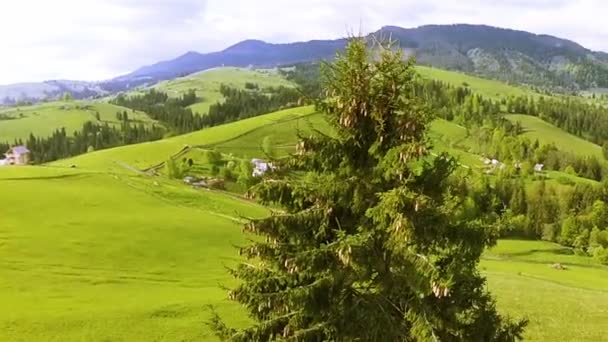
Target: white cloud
<point>97,39</point>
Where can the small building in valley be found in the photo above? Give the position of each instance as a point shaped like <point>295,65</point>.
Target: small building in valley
<point>17,155</point>
<point>260,167</point>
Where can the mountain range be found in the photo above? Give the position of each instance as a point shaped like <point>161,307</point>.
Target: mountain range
<point>491,52</point>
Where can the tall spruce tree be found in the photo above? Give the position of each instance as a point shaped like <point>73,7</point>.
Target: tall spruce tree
<point>373,243</point>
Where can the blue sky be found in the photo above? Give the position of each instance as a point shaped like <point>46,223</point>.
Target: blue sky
<point>99,39</point>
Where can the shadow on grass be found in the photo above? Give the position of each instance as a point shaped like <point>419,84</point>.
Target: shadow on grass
<point>555,250</point>
<point>546,259</point>
<point>43,177</point>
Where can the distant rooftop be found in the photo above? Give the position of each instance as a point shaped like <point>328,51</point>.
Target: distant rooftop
<point>20,150</point>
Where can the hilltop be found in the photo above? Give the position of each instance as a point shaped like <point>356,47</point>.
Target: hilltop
<point>43,119</point>
<point>207,84</point>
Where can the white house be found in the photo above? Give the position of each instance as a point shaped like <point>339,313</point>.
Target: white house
<point>538,167</point>
<point>17,155</point>
<point>260,167</point>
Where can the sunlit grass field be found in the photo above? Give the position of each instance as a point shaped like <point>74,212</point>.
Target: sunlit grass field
<point>207,84</point>
<point>546,133</point>
<point>44,118</point>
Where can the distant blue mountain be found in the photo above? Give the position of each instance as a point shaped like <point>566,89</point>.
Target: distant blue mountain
<point>503,54</point>
<point>246,53</point>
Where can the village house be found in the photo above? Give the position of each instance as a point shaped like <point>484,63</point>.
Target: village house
<point>17,155</point>
<point>260,167</point>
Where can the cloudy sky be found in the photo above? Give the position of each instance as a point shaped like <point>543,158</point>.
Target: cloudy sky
<point>99,39</point>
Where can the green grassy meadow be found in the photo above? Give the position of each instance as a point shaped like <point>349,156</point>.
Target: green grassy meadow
<point>562,305</point>
<point>44,118</point>
<point>207,84</point>
<point>546,133</point>
<point>114,258</point>
<point>151,153</point>
<point>485,87</point>
<point>119,258</point>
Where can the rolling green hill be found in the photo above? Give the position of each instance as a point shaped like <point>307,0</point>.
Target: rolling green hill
<point>207,83</point>
<point>546,133</point>
<point>44,118</point>
<point>94,257</point>
<point>147,154</point>
<point>486,87</point>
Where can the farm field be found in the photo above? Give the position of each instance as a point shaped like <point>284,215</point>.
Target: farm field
<point>44,118</point>
<point>207,84</point>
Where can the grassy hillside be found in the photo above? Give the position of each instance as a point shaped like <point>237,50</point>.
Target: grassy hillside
<point>486,87</point>
<point>93,257</point>
<point>207,83</point>
<point>546,133</point>
<point>446,135</point>
<point>244,139</point>
<point>44,118</point>
<point>147,154</point>
<point>562,305</point>
<point>72,272</point>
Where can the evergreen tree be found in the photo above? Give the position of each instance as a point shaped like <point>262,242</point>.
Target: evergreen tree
<point>268,147</point>
<point>245,176</point>
<point>372,244</point>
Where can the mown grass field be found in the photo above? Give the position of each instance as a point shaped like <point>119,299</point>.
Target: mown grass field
<point>562,305</point>
<point>546,133</point>
<point>44,118</point>
<point>95,257</point>
<point>207,84</point>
